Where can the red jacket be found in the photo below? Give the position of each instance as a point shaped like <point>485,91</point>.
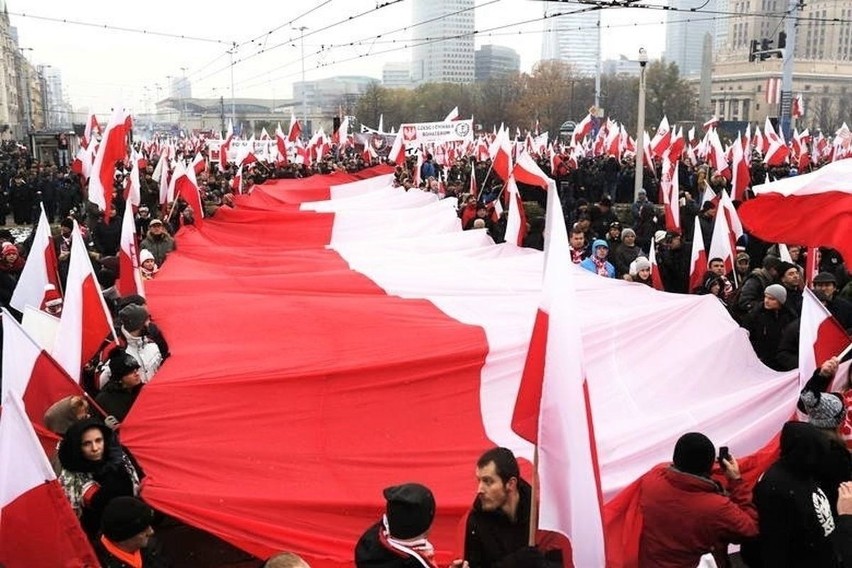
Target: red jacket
<point>686,516</point>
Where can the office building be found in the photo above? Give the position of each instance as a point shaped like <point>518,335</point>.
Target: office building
<point>443,48</point>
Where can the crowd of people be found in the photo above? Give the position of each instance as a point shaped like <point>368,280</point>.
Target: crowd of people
<point>690,509</point>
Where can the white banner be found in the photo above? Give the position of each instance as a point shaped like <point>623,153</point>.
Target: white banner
<point>437,132</point>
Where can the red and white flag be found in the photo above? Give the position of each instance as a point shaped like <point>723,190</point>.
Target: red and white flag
<point>237,182</point>
<point>813,209</point>
<point>720,243</point>
<point>225,147</point>
<point>811,265</point>
<point>553,408</point>
<point>821,337</point>
<point>134,183</point>
<point>281,144</point>
<point>773,90</point>
<point>37,525</point>
<point>86,321</point>
<point>186,186</point>
<point>454,115</point>
<point>32,375</point>
<point>797,108</point>
<point>662,138</point>
<point>527,171</point>
<point>516,222</point>
<point>501,155</point>
<point>656,277</point>
<point>741,175</point>
<point>698,259</point>
<point>295,130</point>
<point>582,129</point>
<point>113,147</point>
<point>397,151</point>
<point>41,269</point>
<point>92,128</point>
<point>129,280</point>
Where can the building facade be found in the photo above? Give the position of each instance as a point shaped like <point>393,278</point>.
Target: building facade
<point>495,62</point>
<point>572,38</point>
<point>747,91</point>
<point>397,75</point>
<point>685,34</point>
<point>443,47</point>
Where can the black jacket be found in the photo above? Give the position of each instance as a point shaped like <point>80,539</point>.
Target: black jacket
<point>492,539</point>
<point>370,552</point>
<point>795,516</point>
<point>152,556</point>
<point>116,400</point>
<point>764,329</point>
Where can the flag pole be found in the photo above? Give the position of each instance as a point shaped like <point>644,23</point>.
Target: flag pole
<point>534,499</point>
<point>845,352</point>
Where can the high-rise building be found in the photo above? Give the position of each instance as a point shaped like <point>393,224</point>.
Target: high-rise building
<point>56,112</point>
<point>396,75</point>
<point>443,50</point>
<point>572,38</point>
<point>180,88</point>
<point>685,34</point>
<point>495,62</point>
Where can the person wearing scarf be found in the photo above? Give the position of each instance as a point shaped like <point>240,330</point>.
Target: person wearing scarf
<point>598,263</point>
<point>400,538</point>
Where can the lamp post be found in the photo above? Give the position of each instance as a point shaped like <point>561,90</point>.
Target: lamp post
<point>640,126</point>
<point>302,29</point>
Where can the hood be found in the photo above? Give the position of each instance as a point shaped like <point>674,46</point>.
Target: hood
<point>803,448</point>
<point>71,453</point>
<point>599,243</point>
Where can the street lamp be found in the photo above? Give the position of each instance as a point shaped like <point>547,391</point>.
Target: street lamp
<point>183,95</point>
<point>640,127</point>
<point>302,29</point>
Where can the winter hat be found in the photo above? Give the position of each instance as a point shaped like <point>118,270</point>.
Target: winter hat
<point>743,256</point>
<point>824,409</point>
<point>710,280</point>
<point>660,236</point>
<point>694,453</point>
<point>9,248</point>
<point>598,243</point>
<point>52,297</point>
<point>642,263</point>
<point>144,255</point>
<point>627,231</point>
<point>784,267</point>
<point>121,364</point>
<point>825,278</point>
<point>125,517</point>
<point>67,222</point>
<point>133,317</point>
<point>410,510</point>
<point>776,291</point>
<point>155,222</point>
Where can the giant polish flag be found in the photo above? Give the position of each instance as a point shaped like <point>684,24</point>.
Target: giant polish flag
<point>86,321</point>
<point>113,147</point>
<point>38,528</point>
<point>821,337</point>
<point>553,410</point>
<point>41,269</point>
<point>403,351</point>
<point>813,209</point>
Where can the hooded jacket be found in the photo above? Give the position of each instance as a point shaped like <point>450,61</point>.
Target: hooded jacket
<point>90,485</point>
<point>796,523</point>
<point>589,263</point>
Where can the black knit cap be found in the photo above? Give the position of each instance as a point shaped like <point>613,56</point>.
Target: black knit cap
<point>694,453</point>
<point>410,510</point>
<point>125,517</point>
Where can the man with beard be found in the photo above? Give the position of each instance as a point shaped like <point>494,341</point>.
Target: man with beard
<point>498,527</point>
<point>95,470</point>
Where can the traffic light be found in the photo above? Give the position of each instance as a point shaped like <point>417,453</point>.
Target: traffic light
<point>752,53</point>
<point>765,46</point>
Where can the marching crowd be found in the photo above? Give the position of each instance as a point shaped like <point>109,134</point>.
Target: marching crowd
<point>799,514</point>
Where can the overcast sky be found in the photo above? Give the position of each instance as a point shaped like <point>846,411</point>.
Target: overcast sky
<point>103,67</point>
